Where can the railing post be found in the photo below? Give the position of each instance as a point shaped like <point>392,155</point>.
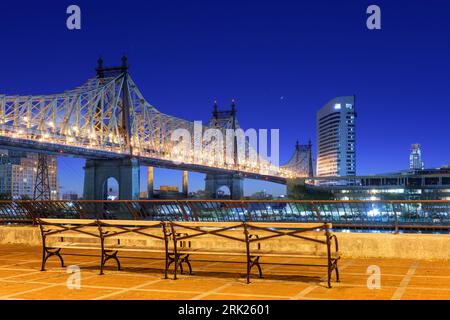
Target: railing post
<point>194,212</point>
<point>243,207</point>
<point>395,219</point>
<point>181,205</point>
<point>319,218</point>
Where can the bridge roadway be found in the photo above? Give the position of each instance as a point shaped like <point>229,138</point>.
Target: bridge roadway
<point>83,152</point>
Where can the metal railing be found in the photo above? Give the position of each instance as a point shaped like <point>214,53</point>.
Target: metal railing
<point>396,216</point>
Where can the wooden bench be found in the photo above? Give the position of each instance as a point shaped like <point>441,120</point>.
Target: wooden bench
<point>249,239</point>
<point>179,240</point>
<point>107,236</point>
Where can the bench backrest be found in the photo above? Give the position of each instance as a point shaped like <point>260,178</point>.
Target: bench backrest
<point>107,229</point>
<point>189,224</point>
<point>275,225</point>
<point>139,228</point>
<point>51,221</point>
<point>290,225</point>
<point>99,222</point>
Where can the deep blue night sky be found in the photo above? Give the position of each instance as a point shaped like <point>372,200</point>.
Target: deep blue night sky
<point>281,60</point>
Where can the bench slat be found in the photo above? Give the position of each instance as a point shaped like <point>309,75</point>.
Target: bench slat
<point>129,223</point>
<point>67,221</point>
<point>87,246</point>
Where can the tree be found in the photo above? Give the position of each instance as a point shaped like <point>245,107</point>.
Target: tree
<point>200,194</point>
<point>300,192</point>
<point>391,196</point>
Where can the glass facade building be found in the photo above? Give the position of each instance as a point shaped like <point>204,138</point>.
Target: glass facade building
<point>336,138</point>
<point>18,175</point>
<point>415,158</point>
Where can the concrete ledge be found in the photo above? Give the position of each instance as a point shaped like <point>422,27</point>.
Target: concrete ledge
<point>388,245</point>
<point>351,245</point>
<point>27,235</point>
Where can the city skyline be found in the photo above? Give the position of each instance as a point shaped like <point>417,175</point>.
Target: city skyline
<point>286,68</point>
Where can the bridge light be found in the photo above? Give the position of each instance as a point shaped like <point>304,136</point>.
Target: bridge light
<point>51,124</point>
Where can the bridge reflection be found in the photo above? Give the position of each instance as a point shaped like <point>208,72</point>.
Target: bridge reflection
<point>395,216</point>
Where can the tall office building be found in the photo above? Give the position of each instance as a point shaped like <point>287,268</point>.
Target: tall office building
<point>336,138</point>
<point>415,158</point>
<point>18,175</point>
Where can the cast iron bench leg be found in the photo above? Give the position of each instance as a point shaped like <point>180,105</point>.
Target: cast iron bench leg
<point>47,253</point>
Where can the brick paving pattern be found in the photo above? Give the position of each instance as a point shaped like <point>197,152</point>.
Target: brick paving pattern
<point>142,278</point>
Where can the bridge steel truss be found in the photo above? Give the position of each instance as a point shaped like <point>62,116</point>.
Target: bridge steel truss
<point>91,117</point>
<point>108,117</point>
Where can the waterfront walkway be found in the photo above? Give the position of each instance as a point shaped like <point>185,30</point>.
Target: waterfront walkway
<point>142,278</point>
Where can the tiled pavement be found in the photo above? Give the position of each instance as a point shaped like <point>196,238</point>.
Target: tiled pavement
<point>142,278</point>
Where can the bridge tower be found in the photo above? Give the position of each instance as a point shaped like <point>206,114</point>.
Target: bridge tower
<point>301,163</point>
<point>42,183</point>
<point>124,170</point>
<point>213,182</point>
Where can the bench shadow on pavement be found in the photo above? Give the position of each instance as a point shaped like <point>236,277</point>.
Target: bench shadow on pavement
<point>157,270</point>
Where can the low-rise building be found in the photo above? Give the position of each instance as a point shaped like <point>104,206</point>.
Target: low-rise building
<point>426,184</point>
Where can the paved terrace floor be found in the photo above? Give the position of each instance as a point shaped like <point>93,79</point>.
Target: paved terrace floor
<point>142,278</point>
